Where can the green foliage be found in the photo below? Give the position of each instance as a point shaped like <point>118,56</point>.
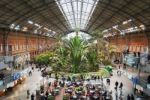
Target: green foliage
<point>97,34</point>
<point>92,59</point>
<point>44,58</point>
<point>51,97</point>
<point>103,72</point>
<point>65,97</point>
<point>108,68</point>
<point>76,48</point>
<point>103,48</point>
<point>77,56</point>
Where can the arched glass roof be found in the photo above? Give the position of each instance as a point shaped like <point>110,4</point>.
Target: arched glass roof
<point>54,17</point>
<point>82,35</point>
<point>77,12</point>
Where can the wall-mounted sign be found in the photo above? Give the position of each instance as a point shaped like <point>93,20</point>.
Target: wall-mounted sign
<point>8,59</point>
<point>3,65</point>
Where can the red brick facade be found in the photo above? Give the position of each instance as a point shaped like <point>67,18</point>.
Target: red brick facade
<point>18,42</point>
<point>135,42</point>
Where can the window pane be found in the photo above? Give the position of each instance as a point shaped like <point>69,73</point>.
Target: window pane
<point>78,12</point>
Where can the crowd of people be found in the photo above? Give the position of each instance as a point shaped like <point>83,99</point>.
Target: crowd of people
<point>79,87</point>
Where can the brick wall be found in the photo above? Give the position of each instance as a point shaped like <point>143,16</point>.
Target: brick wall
<point>18,42</point>
<point>135,42</point>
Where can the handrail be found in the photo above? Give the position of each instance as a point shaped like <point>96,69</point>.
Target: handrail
<point>143,83</point>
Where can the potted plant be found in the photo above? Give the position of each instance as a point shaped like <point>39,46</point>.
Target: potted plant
<point>65,97</point>
<point>50,97</point>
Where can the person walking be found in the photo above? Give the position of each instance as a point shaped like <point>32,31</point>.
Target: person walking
<point>108,81</point>
<point>132,97</point>
<point>115,88</point>
<point>32,68</point>
<point>121,85</point>
<point>128,97</point>
<point>46,95</point>
<point>40,68</point>
<point>55,84</point>
<point>30,73</point>
<point>116,95</point>
<point>98,77</point>
<point>119,67</point>
<point>119,70</point>
<point>95,77</point>
<point>49,84</point>
<point>28,93</point>
<point>32,96</point>
<point>116,83</point>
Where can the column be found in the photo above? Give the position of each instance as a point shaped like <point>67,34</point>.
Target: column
<point>5,43</point>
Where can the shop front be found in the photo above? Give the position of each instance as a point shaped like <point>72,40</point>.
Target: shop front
<point>16,77</point>
<point>137,58</point>
<point>20,76</point>
<point>2,89</point>
<point>3,65</point>
<point>13,80</point>
<point>24,74</point>
<point>21,59</point>
<point>129,59</point>
<point>6,85</point>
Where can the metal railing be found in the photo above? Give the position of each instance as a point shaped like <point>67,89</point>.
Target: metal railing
<point>143,83</point>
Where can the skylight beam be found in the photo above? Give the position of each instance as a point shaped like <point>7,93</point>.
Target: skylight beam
<point>61,9</point>
<point>73,12</point>
<point>77,12</point>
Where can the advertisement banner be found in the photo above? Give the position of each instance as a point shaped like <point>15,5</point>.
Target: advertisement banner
<point>16,76</point>
<point>24,72</point>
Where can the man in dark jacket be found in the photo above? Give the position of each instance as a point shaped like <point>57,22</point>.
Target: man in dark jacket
<point>32,96</point>
<point>121,85</point>
<point>116,83</point>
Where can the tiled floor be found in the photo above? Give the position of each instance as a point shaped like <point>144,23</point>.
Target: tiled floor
<point>20,91</point>
<point>33,82</point>
<point>127,85</point>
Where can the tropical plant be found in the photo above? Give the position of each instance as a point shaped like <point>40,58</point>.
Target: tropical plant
<point>60,61</point>
<point>77,49</point>
<point>104,49</point>
<point>76,55</point>
<point>92,59</point>
<point>103,72</point>
<point>65,97</point>
<point>109,68</point>
<point>50,97</point>
<point>97,36</point>
<point>44,58</point>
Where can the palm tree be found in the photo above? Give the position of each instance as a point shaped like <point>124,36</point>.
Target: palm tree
<point>77,48</point>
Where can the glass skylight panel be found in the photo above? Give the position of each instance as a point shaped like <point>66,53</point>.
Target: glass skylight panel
<point>82,35</point>
<point>77,12</point>
<point>12,26</point>
<point>30,22</point>
<point>79,6</point>
<point>84,6</point>
<point>17,27</point>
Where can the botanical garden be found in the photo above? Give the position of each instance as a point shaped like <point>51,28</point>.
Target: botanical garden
<point>77,55</point>
<point>77,60</point>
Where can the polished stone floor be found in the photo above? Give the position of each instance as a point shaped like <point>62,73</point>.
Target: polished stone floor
<point>20,91</point>
<point>32,83</point>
